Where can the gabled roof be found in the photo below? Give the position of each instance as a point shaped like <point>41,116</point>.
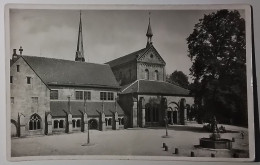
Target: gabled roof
<point>59,108</point>
<point>64,72</point>
<point>155,87</point>
<point>135,56</point>
<point>127,58</point>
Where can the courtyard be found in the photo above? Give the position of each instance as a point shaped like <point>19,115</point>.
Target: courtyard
<point>135,141</point>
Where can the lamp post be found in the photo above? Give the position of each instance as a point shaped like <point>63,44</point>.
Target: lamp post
<point>89,124</point>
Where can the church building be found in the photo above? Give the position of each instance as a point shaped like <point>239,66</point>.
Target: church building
<point>60,96</point>
<point>146,98</point>
<point>50,96</point>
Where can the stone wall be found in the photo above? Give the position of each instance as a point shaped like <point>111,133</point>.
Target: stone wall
<point>22,94</point>
<point>141,67</point>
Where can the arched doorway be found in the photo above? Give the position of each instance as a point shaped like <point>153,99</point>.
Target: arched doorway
<point>93,124</point>
<point>151,114</point>
<point>14,128</point>
<point>172,113</point>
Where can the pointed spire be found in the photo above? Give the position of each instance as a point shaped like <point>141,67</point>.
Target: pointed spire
<point>80,50</point>
<point>149,33</point>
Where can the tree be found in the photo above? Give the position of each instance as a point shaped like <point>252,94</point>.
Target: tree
<point>217,50</point>
<point>178,77</point>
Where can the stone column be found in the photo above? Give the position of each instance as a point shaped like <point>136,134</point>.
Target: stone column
<point>171,118</point>
<point>164,109</point>
<point>142,111</point>
<point>69,117</point>
<point>84,125</point>
<point>69,123</point>
<point>183,111</point>
<point>102,121</point>
<point>21,125</point>
<point>134,113</point>
<point>115,122</point>
<point>48,124</point>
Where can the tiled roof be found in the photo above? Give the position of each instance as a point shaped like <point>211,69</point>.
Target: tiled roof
<point>64,72</point>
<point>127,58</point>
<point>58,108</point>
<point>155,87</point>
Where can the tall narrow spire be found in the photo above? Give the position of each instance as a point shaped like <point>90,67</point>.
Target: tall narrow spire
<point>80,50</point>
<point>149,33</point>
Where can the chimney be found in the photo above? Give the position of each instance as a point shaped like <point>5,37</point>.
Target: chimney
<point>14,52</point>
<point>15,56</point>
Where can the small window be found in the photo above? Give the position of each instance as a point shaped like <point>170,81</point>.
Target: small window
<point>56,123</point>
<point>109,121</point>
<point>78,123</point>
<point>18,68</point>
<point>73,123</point>
<point>110,96</point>
<point>11,79</point>
<point>87,95</point>
<point>35,100</point>
<point>12,100</point>
<point>103,96</point>
<point>29,80</point>
<point>156,75</point>
<point>61,124</point>
<point>54,95</point>
<point>146,76</point>
<point>151,55</point>
<point>79,95</point>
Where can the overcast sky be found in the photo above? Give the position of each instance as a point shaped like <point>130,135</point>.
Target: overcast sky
<point>107,34</point>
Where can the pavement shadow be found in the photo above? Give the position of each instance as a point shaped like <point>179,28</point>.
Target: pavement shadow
<point>182,128</point>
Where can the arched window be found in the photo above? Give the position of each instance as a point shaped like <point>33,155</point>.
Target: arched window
<point>146,75</point>
<point>35,122</point>
<point>78,123</point>
<point>119,121</point>
<point>56,123</point>
<point>122,121</point>
<point>73,123</point>
<point>61,124</point>
<point>109,121</point>
<point>156,75</point>
<point>106,121</point>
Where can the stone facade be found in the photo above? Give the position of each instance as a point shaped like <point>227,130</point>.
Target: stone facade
<point>27,99</point>
<point>31,100</point>
<point>149,66</point>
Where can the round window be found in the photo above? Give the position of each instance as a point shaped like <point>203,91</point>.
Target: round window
<point>151,55</point>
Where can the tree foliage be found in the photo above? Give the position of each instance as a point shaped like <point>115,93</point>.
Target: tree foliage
<point>179,78</point>
<point>217,50</point>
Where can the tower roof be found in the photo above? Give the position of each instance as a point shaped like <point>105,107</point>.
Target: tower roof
<point>149,32</point>
<point>80,49</point>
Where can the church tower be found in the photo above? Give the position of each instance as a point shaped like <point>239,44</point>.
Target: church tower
<point>80,51</point>
<point>149,34</point>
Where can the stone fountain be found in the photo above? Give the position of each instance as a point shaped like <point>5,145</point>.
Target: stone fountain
<point>215,141</point>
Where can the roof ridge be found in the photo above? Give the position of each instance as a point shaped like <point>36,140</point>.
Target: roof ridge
<point>126,55</point>
<point>51,58</point>
<point>130,85</point>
